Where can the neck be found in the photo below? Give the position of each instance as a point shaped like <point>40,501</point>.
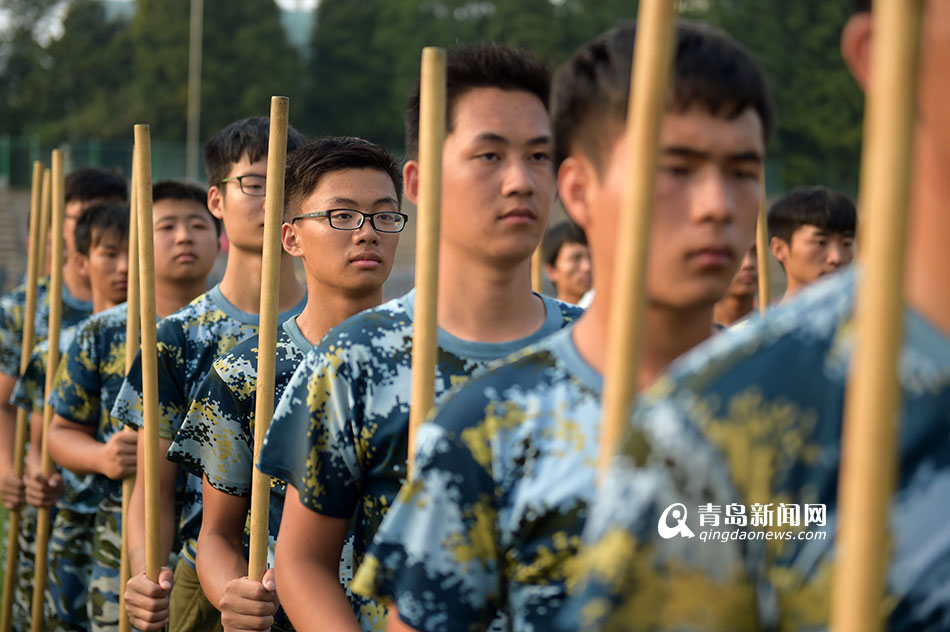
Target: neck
<point>486,303</point>
<point>791,289</point>
<point>101,303</point>
<point>567,297</point>
<point>241,283</point>
<point>327,308</point>
<point>77,284</point>
<point>667,334</point>
<point>732,308</point>
<point>926,282</point>
<point>171,296</point>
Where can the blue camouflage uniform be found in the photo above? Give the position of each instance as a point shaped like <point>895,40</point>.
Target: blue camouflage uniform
<point>216,439</point>
<point>188,343</point>
<point>770,398</point>
<point>85,387</point>
<point>340,430</point>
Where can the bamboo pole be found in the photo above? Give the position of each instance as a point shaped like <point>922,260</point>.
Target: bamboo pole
<point>762,251</point>
<point>41,562</point>
<point>46,214</point>
<point>143,200</point>
<point>425,326</point>
<point>536,268</point>
<point>131,349</point>
<point>22,417</point>
<point>653,53</point>
<point>267,333</point>
<point>872,398</point>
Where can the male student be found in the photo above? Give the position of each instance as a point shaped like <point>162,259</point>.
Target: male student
<point>339,434</point>
<point>492,518</point>
<point>84,438</point>
<point>188,342</point>
<point>739,300</point>
<point>100,255</point>
<point>811,233</point>
<point>567,261</point>
<point>342,219</point>
<point>771,398</point>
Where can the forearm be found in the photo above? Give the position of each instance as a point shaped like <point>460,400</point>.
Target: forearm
<point>35,453</point>
<point>220,560</point>
<point>306,587</point>
<point>75,449</point>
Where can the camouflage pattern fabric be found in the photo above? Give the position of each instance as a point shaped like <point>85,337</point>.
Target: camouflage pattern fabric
<point>216,439</point>
<point>770,398</point>
<point>70,564</point>
<point>340,431</point>
<point>188,343</point>
<point>105,581</point>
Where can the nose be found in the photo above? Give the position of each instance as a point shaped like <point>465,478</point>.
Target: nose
<point>366,234</point>
<point>122,265</point>
<point>183,234</point>
<point>713,201</point>
<point>835,256</point>
<point>518,179</point>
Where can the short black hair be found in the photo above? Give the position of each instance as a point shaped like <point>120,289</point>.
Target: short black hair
<point>480,65</point>
<point>566,232</point>
<point>590,91</point>
<point>175,190</point>
<point>862,5</point>
<point>247,136</point>
<point>307,165</point>
<point>88,184</point>
<point>100,220</point>
<point>818,206</point>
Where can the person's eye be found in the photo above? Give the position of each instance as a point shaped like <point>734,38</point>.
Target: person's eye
<point>541,156</point>
<point>488,156</point>
<point>746,174</point>
<point>821,243</point>
<point>199,226</point>
<point>343,215</point>
<point>675,170</point>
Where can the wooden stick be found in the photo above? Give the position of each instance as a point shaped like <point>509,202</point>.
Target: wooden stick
<point>653,53</point>
<point>143,200</point>
<point>22,417</point>
<point>52,361</point>
<point>267,333</point>
<point>46,215</point>
<point>762,251</point>
<point>132,347</point>
<point>425,326</point>
<point>872,398</point>
<point>536,268</point>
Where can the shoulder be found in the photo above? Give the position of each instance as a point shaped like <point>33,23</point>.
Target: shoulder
<point>569,312</point>
<point>387,325</point>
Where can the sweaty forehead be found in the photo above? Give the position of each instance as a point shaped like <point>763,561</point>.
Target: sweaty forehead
<point>515,115</point>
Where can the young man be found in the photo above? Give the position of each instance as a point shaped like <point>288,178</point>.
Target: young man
<point>739,300</point>
<point>492,519</point>
<point>84,438</point>
<point>567,261</point>
<point>342,220</point>
<point>101,255</point>
<point>771,398</point>
<point>339,434</point>
<point>811,233</point>
<point>188,342</point>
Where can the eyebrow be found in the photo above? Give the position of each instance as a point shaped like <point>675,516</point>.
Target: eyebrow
<point>498,138</point>
<point>695,154</point>
<point>354,203</point>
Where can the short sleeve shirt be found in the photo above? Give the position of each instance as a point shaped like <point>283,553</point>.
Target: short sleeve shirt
<point>88,380</point>
<point>12,311</point>
<point>340,431</point>
<point>770,397</point>
<point>188,343</point>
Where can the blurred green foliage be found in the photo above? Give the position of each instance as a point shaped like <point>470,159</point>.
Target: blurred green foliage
<point>102,75</point>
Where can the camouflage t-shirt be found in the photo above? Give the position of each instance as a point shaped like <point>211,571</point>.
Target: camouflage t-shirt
<point>770,397</point>
<point>80,491</point>
<point>188,343</point>
<point>340,431</point>
<point>88,380</point>
<point>12,308</point>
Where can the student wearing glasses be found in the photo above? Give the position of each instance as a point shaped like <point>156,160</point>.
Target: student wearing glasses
<point>340,431</point>
<point>188,342</point>
<point>347,255</point>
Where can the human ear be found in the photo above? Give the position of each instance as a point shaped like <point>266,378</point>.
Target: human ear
<point>410,176</point>
<point>288,238</point>
<point>574,178</point>
<point>779,249</point>
<point>81,262</point>
<point>856,47</point>
<point>216,202</point>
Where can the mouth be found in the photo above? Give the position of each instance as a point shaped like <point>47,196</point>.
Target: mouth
<point>519,215</point>
<point>367,260</point>
<point>717,256</point>
<point>185,257</point>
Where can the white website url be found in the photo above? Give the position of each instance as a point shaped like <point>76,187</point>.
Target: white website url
<point>713,535</point>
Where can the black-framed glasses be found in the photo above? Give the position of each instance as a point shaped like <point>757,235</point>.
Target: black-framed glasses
<point>351,219</point>
<point>251,184</point>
